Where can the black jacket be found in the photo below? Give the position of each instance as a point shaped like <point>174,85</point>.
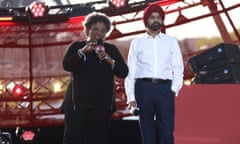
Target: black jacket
<point>92,81</point>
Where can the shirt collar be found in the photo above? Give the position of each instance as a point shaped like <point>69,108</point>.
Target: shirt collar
<point>160,35</point>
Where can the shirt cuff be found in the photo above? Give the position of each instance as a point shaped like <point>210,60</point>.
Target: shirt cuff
<point>130,98</point>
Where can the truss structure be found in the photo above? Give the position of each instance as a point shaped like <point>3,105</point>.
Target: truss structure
<point>32,49</point>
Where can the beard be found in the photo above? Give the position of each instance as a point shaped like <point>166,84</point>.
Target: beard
<point>155,26</point>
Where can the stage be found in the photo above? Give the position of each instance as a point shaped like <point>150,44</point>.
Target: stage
<point>205,114</point>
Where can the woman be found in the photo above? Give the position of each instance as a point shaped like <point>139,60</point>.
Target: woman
<point>89,99</point>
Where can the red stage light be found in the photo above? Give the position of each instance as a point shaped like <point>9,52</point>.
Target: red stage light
<point>119,3</point>
<point>28,135</point>
<point>18,90</point>
<point>38,9</point>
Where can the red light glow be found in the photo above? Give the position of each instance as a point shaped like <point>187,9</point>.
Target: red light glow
<point>119,3</point>
<point>38,9</point>
<point>18,90</point>
<point>28,135</point>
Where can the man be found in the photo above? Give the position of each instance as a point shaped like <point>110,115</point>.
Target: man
<point>155,78</point>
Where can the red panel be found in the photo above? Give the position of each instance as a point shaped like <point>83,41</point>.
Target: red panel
<point>208,114</point>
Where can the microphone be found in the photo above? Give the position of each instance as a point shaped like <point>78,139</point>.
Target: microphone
<point>100,46</point>
<point>135,110</point>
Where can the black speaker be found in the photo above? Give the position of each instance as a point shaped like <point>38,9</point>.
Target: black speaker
<point>215,57</point>
<point>227,74</point>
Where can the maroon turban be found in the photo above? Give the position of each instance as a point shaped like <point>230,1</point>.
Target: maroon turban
<point>149,10</point>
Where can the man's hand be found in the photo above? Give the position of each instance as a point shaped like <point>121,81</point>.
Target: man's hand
<point>132,104</point>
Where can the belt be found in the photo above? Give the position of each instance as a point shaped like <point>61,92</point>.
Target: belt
<point>154,80</point>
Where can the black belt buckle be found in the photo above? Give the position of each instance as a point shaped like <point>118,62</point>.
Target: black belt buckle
<point>154,80</point>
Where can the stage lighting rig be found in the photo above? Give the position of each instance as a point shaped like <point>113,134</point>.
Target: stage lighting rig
<point>119,7</point>
<point>40,13</point>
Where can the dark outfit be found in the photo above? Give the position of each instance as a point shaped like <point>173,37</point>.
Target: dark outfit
<point>89,99</point>
<point>153,98</point>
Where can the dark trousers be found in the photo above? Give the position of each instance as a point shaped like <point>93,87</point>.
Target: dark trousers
<point>157,110</point>
<point>86,126</point>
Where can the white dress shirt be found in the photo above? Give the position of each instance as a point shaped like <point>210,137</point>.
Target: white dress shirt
<point>154,57</point>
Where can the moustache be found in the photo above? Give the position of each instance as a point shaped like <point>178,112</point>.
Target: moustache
<point>155,26</point>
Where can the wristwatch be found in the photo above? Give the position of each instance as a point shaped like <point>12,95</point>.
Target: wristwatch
<point>82,54</point>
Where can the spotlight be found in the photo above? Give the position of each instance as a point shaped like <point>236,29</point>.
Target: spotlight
<point>118,3</point>
<point>17,90</point>
<point>38,9</point>
<point>28,135</point>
